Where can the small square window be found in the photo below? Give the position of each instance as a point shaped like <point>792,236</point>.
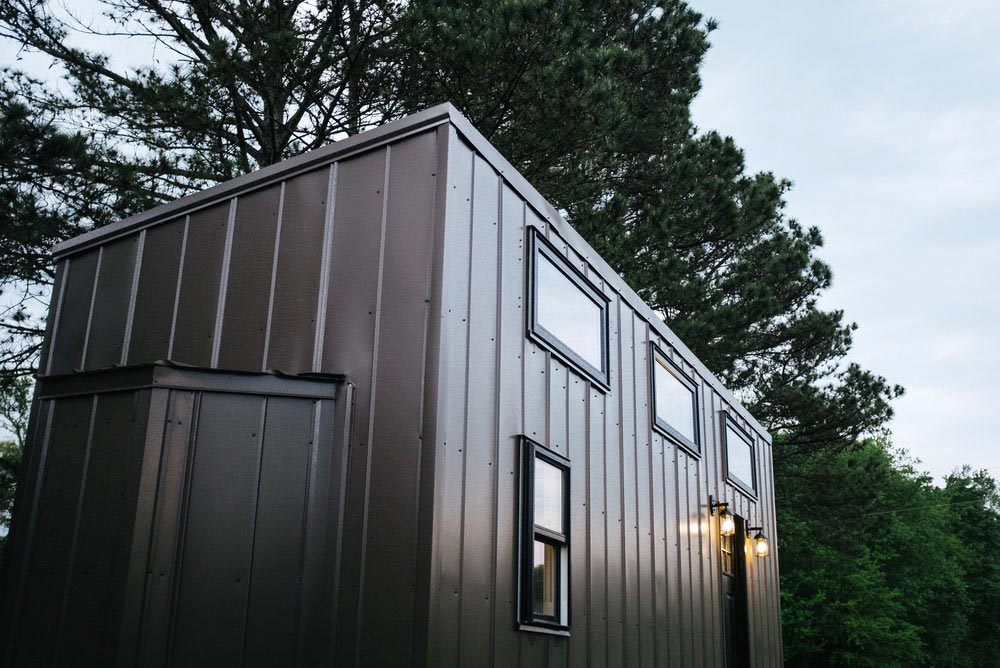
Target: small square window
<point>675,402</point>
<point>740,460</point>
<point>568,314</point>
<point>544,540</point>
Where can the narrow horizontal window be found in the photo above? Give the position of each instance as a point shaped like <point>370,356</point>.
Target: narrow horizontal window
<point>544,540</point>
<point>740,460</point>
<point>568,314</point>
<point>675,403</point>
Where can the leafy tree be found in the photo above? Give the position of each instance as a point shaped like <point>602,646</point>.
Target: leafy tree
<point>14,419</point>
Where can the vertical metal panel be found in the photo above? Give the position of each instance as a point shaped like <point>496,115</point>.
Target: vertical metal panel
<point>349,348</point>
<point>444,648</point>
<point>160,573</point>
<point>51,319</point>
<point>149,338</point>
<point>215,564</point>
<point>198,295</point>
<point>297,276</point>
<point>88,629</point>
<point>248,290</point>
<point>396,411</point>
<point>507,374</point>
<point>71,327</point>
<point>53,540</point>
<point>275,582</point>
<point>112,297</point>
<point>478,507</point>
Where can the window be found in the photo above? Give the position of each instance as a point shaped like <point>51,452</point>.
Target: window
<point>675,403</point>
<point>544,540</point>
<point>740,457</point>
<point>568,314</point>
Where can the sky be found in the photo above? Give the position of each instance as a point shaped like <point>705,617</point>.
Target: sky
<point>886,117</point>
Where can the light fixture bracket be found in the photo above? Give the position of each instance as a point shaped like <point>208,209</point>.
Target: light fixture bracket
<point>713,505</point>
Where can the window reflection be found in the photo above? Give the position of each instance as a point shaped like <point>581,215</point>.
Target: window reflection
<point>569,314</point>
<point>674,401</point>
<point>548,496</point>
<point>544,575</point>
<point>739,456</point>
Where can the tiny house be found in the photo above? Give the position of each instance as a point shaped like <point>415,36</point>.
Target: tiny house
<point>379,404</point>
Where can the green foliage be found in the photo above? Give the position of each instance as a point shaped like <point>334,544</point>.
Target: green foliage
<point>10,463</point>
<point>894,571</point>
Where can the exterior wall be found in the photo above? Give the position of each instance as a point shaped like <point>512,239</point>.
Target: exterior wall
<point>319,265</point>
<point>645,571</point>
<point>398,258</point>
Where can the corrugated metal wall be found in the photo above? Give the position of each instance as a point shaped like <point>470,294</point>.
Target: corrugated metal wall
<point>376,266</point>
<point>323,271</point>
<point>645,573</point>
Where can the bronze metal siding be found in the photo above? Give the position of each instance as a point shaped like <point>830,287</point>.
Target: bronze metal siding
<point>645,573</point>
<point>342,256</point>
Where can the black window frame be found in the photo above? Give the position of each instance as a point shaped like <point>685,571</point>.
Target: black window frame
<point>750,489</point>
<point>528,533</point>
<point>538,245</point>
<point>664,427</point>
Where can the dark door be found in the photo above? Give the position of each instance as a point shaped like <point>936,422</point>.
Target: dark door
<point>734,597</point>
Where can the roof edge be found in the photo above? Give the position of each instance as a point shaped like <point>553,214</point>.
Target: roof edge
<point>364,141</point>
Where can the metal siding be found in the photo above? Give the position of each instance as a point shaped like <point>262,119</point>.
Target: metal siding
<point>198,293</point>
<point>52,544</point>
<point>153,310</point>
<point>298,272</point>
<point>479,503</point>
<point>386,616</point>
<point>112,297</point>
<point>248,289</point>
<point>365,251</point>
<point>444,646</point>
<point>508,382</point>
<point>92,609</point>
<point>277,549</point>
<point>73,318</point>
<point>214,569</point>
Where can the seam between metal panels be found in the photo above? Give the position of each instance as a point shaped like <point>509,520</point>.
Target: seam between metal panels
<point>274,275</point>
<point>67,267</point>
<point>371,411</point>
<point>261,426</point>
<point>90,310</point>
<point>465,389</point>
<point>155,519</point>
<point>132,296</point>
<point>177,290</point>
<point>73,546</point>
<point>227,256</point>
<point>498,341</point>
<point>304,527</point>
<point>324,269</point>
<point>182,524</point>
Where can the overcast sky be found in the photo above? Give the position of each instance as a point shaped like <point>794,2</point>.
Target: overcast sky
<point>886,116</point>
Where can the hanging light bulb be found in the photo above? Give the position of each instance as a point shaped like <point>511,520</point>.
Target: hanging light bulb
<point>727,523</point>
<point>760,546</point>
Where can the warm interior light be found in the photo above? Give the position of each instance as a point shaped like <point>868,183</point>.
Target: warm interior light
<point>760,544</point>
<point>727,524</point>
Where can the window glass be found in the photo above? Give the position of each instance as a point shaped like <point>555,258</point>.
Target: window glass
<point>548,496</point>
<point>739,455</point>
<point>674,401</point>
<point>568,313</point>
<point>543,579</point>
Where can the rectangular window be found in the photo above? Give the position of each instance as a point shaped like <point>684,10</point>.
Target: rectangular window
<point>544,540</point>
<point>675,403</point>
<point>740,457</point>
<point>568,314</point>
